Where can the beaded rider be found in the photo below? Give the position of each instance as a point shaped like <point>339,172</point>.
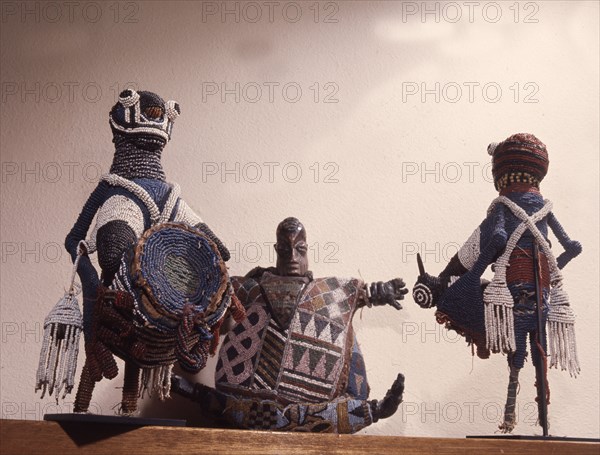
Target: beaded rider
<point>132,198</point>
<point>500,315</point>
<point>294,363</point>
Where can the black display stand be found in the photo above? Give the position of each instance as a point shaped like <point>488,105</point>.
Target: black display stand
<point>114,420</point>
<point>536,438</point>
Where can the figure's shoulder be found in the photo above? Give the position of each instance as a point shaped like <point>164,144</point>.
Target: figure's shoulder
<point>257,273</point>
<point>246,289</point>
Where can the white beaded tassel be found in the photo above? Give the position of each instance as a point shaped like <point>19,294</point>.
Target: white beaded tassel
<point>156,380</point>
<point>499,321</point>
<point>60,345</point>
<point>561,333</point>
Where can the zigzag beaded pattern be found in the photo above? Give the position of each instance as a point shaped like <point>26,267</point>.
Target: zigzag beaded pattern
<point>319,341</point>
<point>308,362</point>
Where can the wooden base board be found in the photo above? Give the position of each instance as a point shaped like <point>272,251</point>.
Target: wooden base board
<point>27,437</point>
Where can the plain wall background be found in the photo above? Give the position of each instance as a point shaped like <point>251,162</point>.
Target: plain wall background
<point>397,173</point>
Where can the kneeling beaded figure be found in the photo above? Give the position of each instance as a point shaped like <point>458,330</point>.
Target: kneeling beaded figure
<point>294,363</point>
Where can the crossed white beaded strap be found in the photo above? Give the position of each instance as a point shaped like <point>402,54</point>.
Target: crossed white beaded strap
<point>170,204</point>
<point>530,223</point>
<point>155,215</point>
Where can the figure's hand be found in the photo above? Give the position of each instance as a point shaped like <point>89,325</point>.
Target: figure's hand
<point>382,409</point>
<point>388,293</point>
<point>223,251</point>
<point>572,249</point>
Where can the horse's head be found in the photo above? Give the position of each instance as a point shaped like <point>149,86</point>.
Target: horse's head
<point>428,288</point>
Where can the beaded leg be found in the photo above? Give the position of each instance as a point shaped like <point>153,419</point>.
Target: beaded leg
<point>84,391</point>
<point>131,385</point>
<point>510,419</point>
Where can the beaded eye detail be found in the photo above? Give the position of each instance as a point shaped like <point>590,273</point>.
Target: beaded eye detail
<point>173,110</point>
<point>128,98</point>
<point>154,113</point>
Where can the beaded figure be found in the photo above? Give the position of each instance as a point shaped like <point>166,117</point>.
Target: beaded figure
<point>526,292</point>
<point>294,362</point>
<point>164,288</point>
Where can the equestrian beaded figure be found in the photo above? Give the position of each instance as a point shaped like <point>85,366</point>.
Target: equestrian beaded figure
<point>526,293</point>
<point>294,362</point>
<point>164,289</point>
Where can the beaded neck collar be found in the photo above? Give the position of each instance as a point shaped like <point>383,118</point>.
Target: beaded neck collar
<point>519,188</point>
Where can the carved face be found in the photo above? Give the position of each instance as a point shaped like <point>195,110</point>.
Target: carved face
<point>291,248</point>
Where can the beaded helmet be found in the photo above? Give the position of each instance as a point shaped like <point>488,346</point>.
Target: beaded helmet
<point>143,113</point>
<point>521,158</point>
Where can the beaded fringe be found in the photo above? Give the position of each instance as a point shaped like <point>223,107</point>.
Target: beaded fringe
<point>157,379</point>
<point>561,336</point>
<point>499,320</point>
<point>60,346</point>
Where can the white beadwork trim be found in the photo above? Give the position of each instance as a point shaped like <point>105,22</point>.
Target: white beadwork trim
<point>186,215</point>
<point>469,252</point>
<point>155,215</point>
<point>118,207</point>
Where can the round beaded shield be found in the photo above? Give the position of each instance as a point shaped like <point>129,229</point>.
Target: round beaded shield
<point>178,269</point>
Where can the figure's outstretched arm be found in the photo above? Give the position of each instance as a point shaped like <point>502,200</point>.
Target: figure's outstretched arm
<point>481,248</point>
<point>384,293</point>
<point>572,247</point>
<point>490,236</point>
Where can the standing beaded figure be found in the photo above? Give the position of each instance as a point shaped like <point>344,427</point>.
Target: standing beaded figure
<point>526,293</point>
<point>294,363</point>
<point>164,288</point>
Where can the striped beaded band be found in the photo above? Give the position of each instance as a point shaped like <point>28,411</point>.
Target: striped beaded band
<point>522,158</point>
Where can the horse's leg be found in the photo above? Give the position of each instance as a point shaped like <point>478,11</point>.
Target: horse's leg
<point>131,386</point>
<point>511,399</point>
<point>84,391</point>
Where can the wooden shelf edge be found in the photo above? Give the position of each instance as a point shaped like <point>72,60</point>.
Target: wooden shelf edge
<point>25,437</point>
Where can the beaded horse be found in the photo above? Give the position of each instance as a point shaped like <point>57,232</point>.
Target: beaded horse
<point>164,288</point>
<point>526,292</point>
